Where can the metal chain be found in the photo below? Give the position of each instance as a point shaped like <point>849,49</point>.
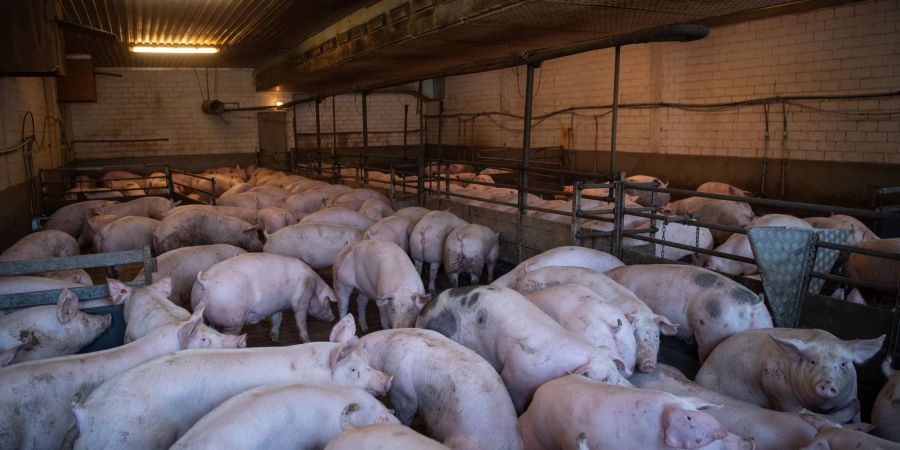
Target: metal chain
<point>662,251</point>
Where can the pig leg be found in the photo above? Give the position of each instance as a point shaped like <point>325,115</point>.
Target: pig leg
<point>403,399</point>
<point>473,278</point>
<point>432,275</point>
<point>361,302</point>
<point>275,332</point>
<point>300,318</point>
<point>454,279</point>
<point>490,274</point>
<point>342,292</point>
<point>419,265</point>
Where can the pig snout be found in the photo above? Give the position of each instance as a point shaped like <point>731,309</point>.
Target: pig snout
<point>827,389</point>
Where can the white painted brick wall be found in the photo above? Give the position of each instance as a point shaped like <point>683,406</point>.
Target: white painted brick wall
<point>846,50</point>
<point>165,103</point>
<point>38,95</point>
<point>385,120</point>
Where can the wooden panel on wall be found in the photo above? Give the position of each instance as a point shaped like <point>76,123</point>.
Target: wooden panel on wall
<point>79,84</point>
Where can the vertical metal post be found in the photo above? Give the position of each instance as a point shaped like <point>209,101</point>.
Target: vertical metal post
<point>421,160</point>
<point>212,194</point>
<point>405,129</point>
<point>440,131</point>
<point>615,114</point>
<point>365,155</point>
<point>618,216</point>
<point>318,140</point>
<point>293,150</point>
<point>523,167</point>
<point>170,186</point>
<point>334,164</point>
<point>576,210</point>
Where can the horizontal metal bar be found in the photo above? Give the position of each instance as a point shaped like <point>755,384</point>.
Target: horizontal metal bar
<point>122,141</point>
<point>860,250</point>
<point>770,202</point>
<point>593,234</point>
<point>639,237</point>
<point>28,299</point>
<point>664,218</point>
<point>485,200</point>
<point>71,262</point>
<point>855,282</point>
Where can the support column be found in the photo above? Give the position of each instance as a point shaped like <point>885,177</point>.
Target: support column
<point>523,167</point>
<point>615,115</point>
<point>318,140</point>
<point>365,151</point>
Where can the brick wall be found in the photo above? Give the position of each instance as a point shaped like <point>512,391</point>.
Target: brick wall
<point>846,50</point>
<point>165,103</point>
<point>385,120</point>
<point>38,95</point>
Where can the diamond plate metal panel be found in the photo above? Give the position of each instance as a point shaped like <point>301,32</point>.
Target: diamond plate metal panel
<point>784,257</point>
<point>825,257</point>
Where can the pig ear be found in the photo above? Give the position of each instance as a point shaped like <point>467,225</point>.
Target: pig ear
<point>620,365</point>
<point>701,404</point>
<point>630,317</point>
<point>118,291</point>
<point>863,350</point>
<point>7,356</point>
<point>189,328</point>
<point>342,352</point>
<point>856,297</point>
<point>792,348</point>
<point>422,300</point>
<point>66,306</point>
<point>344,330</point>
<point>581,370</point>
<point>691,429</point>
<point>665,325</point>
<point>838,294</point>
<point>163,286</point>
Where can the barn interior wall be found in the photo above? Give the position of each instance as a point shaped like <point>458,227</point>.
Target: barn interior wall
<point>837,51</point>
<point>17,97</point>
<point>165,103</point>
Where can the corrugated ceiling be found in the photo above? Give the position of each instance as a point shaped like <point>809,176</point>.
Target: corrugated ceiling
<point>249,31</point>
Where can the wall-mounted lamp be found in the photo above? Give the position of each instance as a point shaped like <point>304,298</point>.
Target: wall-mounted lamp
<point>174,49</point>
<point>278,103</point>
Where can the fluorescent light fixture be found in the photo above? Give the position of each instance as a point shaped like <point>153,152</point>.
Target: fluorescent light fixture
<point>278,103</point>
<point>173,49</point>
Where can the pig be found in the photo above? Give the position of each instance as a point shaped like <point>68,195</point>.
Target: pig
<point>306,202</point>
<point>853,297</point>
<point>35,397</point>
<point>127,233</point>
<point>716,187</point>
<point>647,324</point>
<point>251,286</point>
<point>355,199</point>
<point>379,270</point>
<point>156,184</point>
<point>51,330</point>
<point>288,416</point>
<point>92,225</point>
<point>375,209</point>
<point>620,417</point>
<point>248,215</point>
<point>131,189</point>
<point>643,197</point>
<point>272,191</point>
<point>770,430</point>
<point>881,271</point>
<point>426,241</point>
<point>201,227</point>
<point>678,233</point>
<point>41,245</point>
<point>582,311</point>
<point>710,307</point>
<point>273,219</point>
<point>413,213</point>
<point>82,193</point>
<point>71,219</point>
<point>318,245</point>
<point>24,283</point>
<point>862,232</point>
<point>148,308</point>
<point>394,229</point>
<point>523,344</point>
<point>739,244</point>
<point>382,437</point>
<point>832,436</point>
<point>236,189</point>
<point>684,206</point>
<point>854,235</point>
<point>78,276</point>
<point>788,369</point>
<point>431,373</point>
<point>152,207</point>
<point>725,213</point>
<point>115,179</point>
<point>250,199</point>
<point>469,248</point>
<point>571,256</point>
<point>886,409</point>
<point>183,264</point>
<point>154,404</point>
<point>338,215</point>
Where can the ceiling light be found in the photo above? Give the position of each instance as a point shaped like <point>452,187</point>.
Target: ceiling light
<point>174,49</point>
<point>278,103</point>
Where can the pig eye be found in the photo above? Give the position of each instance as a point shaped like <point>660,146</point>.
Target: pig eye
<point>812,362</point>
<point>843,364</point>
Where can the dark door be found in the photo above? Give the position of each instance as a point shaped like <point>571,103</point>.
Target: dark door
<point>273,145</point>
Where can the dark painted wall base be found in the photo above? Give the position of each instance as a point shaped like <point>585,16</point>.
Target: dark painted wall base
<point>15,219</point>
